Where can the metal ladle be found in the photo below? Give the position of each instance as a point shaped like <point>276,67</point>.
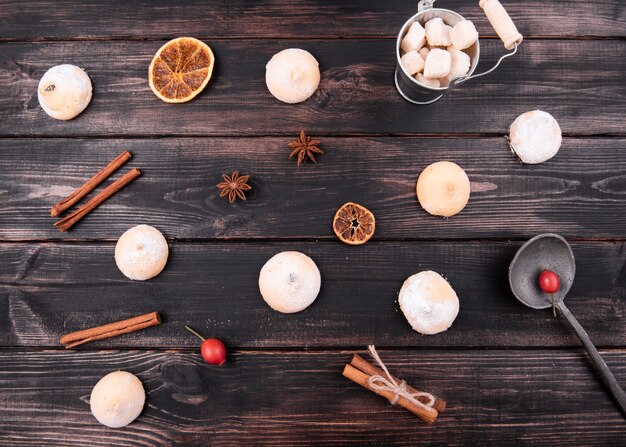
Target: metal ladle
<point>552,252</point>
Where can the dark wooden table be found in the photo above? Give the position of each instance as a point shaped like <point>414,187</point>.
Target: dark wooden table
<point>510,375</point>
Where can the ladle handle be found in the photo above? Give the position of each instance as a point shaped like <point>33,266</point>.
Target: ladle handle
<point>502,23</point>
<point>607,376</point>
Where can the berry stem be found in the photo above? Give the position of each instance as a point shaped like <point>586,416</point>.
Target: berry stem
<point>553,305</point>
<point>195,333</point>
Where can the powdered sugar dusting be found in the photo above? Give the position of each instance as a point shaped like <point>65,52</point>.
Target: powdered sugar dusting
<point>428,302</point>
<point>141,252</point>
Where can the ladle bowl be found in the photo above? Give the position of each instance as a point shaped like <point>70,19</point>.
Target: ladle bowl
<point>552,252</point>
<point>545,251</point>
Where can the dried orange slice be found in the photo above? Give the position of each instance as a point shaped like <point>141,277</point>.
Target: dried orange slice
<point>180,69</point>
<point>354,224</point>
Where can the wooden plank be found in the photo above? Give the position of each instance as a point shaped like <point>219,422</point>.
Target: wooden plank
<point>177,192</point>
<point>586,93</point>
<point>47,290</point>
<point>295,399</point>
<point>78,19</point>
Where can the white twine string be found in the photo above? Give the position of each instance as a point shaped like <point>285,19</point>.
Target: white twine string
<point>388,383</point>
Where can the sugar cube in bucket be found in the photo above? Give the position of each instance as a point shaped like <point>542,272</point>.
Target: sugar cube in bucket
<point>437,64</point>
<point>424,52</point>
<point>437,33</point>
<point>459,64</point>
<point>463,34</point>
<point>414,39</point>
<point>412,62</point>
<point>428,82</point>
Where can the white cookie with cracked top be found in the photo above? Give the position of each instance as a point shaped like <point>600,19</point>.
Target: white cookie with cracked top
<point>141,252</point>
<point>117,399</point>
<point>289,282</point>
<point>292,75</point>
<point>535,136</point>
<point>64,91</point>
<point>428,302</point>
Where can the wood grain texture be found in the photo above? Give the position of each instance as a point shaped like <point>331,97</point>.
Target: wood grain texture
<point>521,398</point>
<point>177,192</point>
<point>510,375</point>
<point>582,83</point>
<point>51,289</point>
<point>155,19</point>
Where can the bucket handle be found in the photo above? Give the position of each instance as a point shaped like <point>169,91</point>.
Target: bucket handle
<point>499,19</point>
<point>462,79</point>
<point>502,24</point>
<point>425,4</point>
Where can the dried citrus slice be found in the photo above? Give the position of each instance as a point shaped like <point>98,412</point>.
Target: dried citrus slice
<point>354,224</point>
<point>180,69</point>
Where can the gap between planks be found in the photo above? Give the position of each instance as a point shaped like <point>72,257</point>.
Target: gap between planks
<point>348,350</point>
<point>287,240</point>
<point>428,136</point>
<point>305,37</point>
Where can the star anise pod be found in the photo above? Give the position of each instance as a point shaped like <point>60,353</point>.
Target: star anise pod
<point>234,186</point>
<point>305,148</point>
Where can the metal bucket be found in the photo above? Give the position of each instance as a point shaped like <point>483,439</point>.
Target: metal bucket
<point>410,88</point>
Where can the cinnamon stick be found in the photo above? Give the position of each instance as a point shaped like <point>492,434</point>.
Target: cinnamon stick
<point>68,221</point>
<point>363,365</point>
<point>428,414</point>
<point>90,184</point>
<point>110,330</point>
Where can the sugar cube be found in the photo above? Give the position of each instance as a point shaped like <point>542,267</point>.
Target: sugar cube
<point>429,82</point>
<point>460,64</point>
<point>437,33</point>
<point>424,52</point>
<point>412,62</point>
<point>437,64</point>
<point>463,34</point>
<point>414,39</point>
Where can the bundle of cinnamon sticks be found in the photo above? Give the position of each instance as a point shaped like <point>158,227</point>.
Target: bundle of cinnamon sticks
<point>68,221</point>
<point>360,371</point>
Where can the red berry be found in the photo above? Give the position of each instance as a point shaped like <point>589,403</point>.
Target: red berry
<point>549,281</point>
<point>213,351</point>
